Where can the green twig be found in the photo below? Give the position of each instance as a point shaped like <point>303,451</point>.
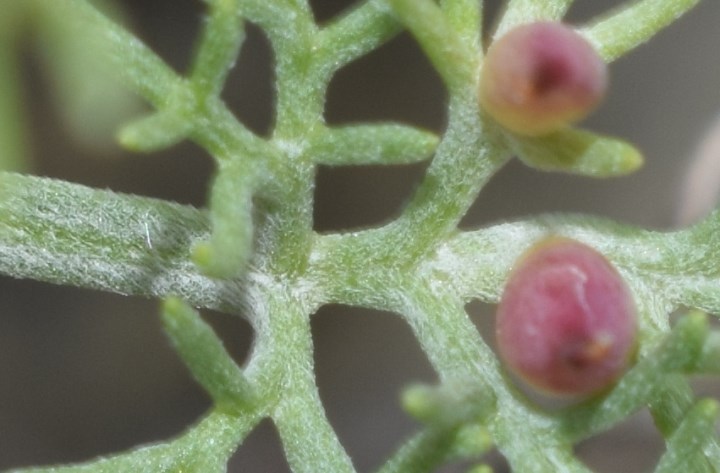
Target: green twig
<point>206,357</point>
<point>452,57</point>
<point>518,12</point>
<point>356,33</point>
<point>632,25</point>
<point>218,47</point>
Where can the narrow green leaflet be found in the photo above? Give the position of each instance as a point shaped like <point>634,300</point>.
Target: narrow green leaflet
<point>578,152</point>
<point>204,448</point>
<point>685,451</point>
<point>452,58</point>
<point>453,403</point>
<point>632,25</point>
<point>709,362</point>
<point>215,128</point>
<point>154,132</point>
<point>66,233</point>
<point>218,47</point>
<point>86,87</point>
<point>357,32</point>
<point>227,251</point>
<point>142,69</point>
<point>466,18</point>
<point>518,12</point>
<point>481,469</point>
<point>206,356</point>
<point>424,452</point>
<point>372,144</point>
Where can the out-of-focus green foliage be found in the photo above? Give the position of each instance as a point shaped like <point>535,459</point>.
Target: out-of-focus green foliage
<point>90,100</point>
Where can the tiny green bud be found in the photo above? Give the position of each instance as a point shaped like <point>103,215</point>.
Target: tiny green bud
<point>480,469</point>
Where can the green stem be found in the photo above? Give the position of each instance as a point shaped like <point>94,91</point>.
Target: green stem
<point>205,447</point>
<point>465,17</point>
<point>464,162</point>
<point>309,440</point>
<point>64,233</point>
<point>218,47</point>
<point>356,33</point>
<point>632,25</point>
<point>142,69</point>
<point>283,369</point>
<point>217,130</point>
<point>528,439</point>
<point>226,253</point>
<point>688,444</point>
<point>206,357</point>
<point>518,12</point>
<point>454,60</point>
<point>670,410</point>
<point>284,229</point>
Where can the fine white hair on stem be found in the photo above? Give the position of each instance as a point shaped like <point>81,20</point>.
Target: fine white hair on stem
<point>701,188</point>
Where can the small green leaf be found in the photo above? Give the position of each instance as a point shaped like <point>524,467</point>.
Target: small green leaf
<point>362,29</point>
<point>65,233</point>
<point>139,67</point>
<point>205,355</point>
<point>632,24</point>
<point>218,47</point>
<point>481,469</point>
<point>204,448</point>
<point>709,362</point>
<point>471,441</point>
<point>225,254</point>
<point>465,16</point>
<point>578,152</point>
<point>519,12</point>
<point>372,144</point>
<point>421,402</point>
<point>452,403</point>
<point>424,452</point>
<point>84,83</point>
<point>155,132</point>
<point>451,56</point>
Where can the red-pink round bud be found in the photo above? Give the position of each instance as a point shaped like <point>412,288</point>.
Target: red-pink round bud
<point>566,322</point>
<point>540,77</point>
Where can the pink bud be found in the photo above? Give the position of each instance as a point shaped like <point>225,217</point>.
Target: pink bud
<point>540,77</point>
<point>566,322</point>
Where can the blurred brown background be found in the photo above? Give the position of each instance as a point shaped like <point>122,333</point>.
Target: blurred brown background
<point>84,373</point>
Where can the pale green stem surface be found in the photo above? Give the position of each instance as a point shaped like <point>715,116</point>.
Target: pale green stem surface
<point>518,12</point>
<point>629,27</point>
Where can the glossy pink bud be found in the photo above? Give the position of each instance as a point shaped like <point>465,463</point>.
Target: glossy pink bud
<point>566,322</point>
<point>540,77</point>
